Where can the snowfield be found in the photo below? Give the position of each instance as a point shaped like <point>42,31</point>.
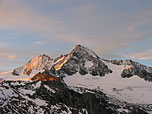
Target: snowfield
<point>22,77</point>
<point>131,90</point>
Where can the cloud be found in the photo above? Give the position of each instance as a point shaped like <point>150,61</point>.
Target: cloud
<point>40,42</point>
<point>142,19</point>
<point>7,55</point>
<point>104,35</point>
<point>11,57</point>
<point>3,44</point>
<point>76,24</point>
<point>16,15</point>
<point>141,55</point>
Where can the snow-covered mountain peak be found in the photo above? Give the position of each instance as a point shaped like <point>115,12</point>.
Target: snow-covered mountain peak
<point>37,63</point>
<point>82,60</point>
<point>82,50</point>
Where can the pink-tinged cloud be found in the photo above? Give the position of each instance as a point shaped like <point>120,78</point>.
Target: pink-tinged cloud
<point>4,54</point>
<point>11,57</point>
<point>39,43</point>
<point>142,55</point>
<point>16,15</point>
<point>138,24</point>
<point>140,20</point>
<point>20,17</point>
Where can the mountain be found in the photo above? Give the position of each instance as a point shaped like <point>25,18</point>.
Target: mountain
<point>133,68</point>
<point>27,72</point>
<point>41,62</point>
<point>79,83</point>
<point>82,60</point>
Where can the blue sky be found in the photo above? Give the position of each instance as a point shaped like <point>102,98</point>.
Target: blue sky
<point>114,29</point>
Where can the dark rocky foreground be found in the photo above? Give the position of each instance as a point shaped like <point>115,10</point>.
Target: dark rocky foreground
<point>54,97</point>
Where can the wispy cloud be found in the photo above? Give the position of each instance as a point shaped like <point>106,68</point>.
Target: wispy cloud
<point>23,18</point>
<point>11,57</point>
<point>141,55</point>
<point>7,55</point>
<point>3,44</point>
<point>40,42</point>
<point>85,23</point>
<point>20,17</point>
<point>141,20</point>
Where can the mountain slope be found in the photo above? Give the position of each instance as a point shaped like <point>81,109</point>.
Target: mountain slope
<point>132,90</point>
<point>78,82</point>
<point>82,60</point>
<point>55,97</point>
<point>35,66</point>
<point>38,63</point>
<point>133,68</point>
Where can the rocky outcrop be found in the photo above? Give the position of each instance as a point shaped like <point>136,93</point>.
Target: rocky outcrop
<point>44,77</point>
<point>133,68</point>
<point>84,61</point>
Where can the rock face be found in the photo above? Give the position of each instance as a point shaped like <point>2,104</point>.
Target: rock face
<point>38,63</point>
<point>44,77</point>
<point>81,60</point>
<point>54,97</point>
<point>134,68</point>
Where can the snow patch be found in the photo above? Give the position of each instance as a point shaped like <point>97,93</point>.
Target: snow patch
<point>37,101</point>
<point>88,64</point>
<point>48,88</point>
<point>123,110</point>
<point>22,77</point>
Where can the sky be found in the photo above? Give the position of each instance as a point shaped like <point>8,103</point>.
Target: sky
<point>114,29</point>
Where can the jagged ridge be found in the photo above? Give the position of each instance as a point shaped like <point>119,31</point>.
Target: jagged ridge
<point>38,63</point>
<point>82,60</point>
<point>133,68</point>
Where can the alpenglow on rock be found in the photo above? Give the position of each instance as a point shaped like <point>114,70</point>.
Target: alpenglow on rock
<point>81,60</point>
<point>38,63</point>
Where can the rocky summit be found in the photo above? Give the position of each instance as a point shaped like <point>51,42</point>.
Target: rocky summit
<point>84,61</point>
<point>77,83</point>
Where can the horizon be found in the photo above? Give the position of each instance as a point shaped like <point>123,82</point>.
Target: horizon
<point>112,29</point>
<point>59,56</point>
